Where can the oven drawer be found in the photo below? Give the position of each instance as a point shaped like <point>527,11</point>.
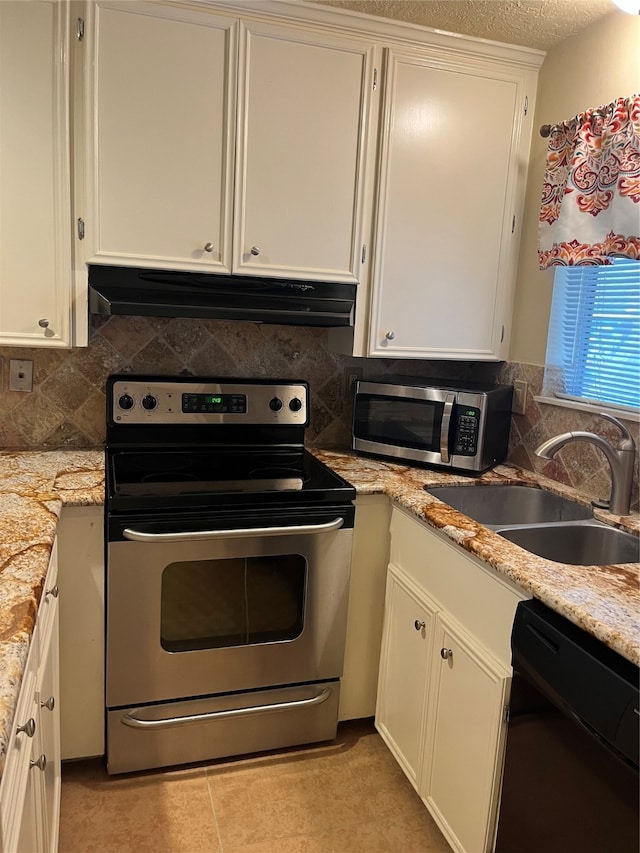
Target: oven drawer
<point>217,726</point>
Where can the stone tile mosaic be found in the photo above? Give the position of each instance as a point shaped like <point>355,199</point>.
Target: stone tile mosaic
<point>67,406</point>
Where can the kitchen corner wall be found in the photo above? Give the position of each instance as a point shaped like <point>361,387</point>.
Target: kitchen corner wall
<point>66,408</point>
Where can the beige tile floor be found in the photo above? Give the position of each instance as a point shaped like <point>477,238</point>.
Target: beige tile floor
<point>347,796</point>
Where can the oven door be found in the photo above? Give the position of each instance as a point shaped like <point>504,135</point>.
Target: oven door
<point>404,422</point>
<point>201,606</point>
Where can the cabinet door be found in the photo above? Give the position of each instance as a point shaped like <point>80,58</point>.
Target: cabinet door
<point>443,256</point>
<point>161,136</point>
<point>465,738</point>
<point>49,723</point>
<point>35,185</point>
<point>404,671</point>
<point>302,127</point>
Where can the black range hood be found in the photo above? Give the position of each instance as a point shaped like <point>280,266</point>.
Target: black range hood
<point>159,293</point>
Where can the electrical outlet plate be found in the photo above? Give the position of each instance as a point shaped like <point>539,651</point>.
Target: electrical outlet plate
<point>351,375</point>
<point>519,396</point>
<point>20,375</point>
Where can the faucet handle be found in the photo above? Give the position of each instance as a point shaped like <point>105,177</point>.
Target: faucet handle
<point>627,442</point>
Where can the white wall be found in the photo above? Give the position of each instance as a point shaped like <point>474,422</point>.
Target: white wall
<point>590,69</point>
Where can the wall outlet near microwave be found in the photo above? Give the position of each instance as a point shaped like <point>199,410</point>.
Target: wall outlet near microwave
<point>351,375</point>
<point>519,396</point>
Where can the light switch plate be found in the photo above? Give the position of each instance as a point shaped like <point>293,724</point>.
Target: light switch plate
<point>519,396</point>
<point>20,375</point>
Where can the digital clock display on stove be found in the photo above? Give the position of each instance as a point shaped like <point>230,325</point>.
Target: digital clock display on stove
<point>214,403</point>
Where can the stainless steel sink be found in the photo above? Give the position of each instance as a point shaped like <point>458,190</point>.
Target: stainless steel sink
<point>501,505</point>
<point>584,544</point>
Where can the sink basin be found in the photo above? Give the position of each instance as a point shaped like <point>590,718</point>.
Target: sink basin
<point>497,505</point>
<point>578,544</point>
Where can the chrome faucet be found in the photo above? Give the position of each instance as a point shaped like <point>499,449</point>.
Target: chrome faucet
<point>620,458</point>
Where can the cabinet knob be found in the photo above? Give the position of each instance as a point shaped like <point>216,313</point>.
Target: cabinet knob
<point>29,728</point>
<point>419,625</point>
<point>446,654</point>
<point>44,323</point>
<point>41,763</point>
<point>255,251</point>
<point>54,591</point>
<point>390,336</point>
<point>50,704</point>
<point>209,247</point>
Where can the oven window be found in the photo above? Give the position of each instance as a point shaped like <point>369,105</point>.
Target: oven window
<point>212,604</point>
<point>399,421</point>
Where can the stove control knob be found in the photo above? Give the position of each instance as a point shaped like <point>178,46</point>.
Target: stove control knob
<point>149,402</point>
<point>125,401</point>
<point>295,405</point>
<point>275,404</point>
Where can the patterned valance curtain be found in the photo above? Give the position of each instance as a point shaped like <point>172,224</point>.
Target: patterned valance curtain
<point>591,194</point>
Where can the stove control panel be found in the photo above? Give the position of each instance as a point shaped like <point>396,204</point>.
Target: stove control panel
<point>136,400</point>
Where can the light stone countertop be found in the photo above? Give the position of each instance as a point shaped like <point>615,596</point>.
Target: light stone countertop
<point>34,486</point>
<point>603,600</point>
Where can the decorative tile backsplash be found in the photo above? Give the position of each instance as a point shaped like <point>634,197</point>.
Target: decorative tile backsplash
<point>66,408</point>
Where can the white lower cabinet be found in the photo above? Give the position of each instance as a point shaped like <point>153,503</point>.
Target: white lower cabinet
<point>80,534</point>
<point>369,558</point>
<point>30,787</point>
<point>445,677</point>
<point>404,672</point>
<point>466,725</point>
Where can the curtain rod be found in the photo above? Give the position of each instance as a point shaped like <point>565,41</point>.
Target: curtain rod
<point>547,129</point>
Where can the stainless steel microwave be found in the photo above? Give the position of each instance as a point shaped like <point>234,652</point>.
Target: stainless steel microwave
<point>460,426</point>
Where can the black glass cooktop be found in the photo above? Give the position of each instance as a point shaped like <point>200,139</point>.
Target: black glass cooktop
<point>204,477</point>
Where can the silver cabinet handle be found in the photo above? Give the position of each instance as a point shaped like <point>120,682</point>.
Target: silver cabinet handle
<point>446,654</point>
<point>209,247</point>
<point>44,323</point>
<point>419,625</point>
<point>241,533</point>
<point>50,704</point>
<point>170,722</point>
<point>390,336</point>
<point>29,728</point>
<point>54,592</point>
<point>40,763</point>
<point>255,251</point>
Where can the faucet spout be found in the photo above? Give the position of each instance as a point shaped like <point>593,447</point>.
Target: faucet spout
<point>621,461</point>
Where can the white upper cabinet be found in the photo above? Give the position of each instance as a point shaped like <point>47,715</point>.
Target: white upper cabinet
<point>161,134</point>
<point>301,137</point>
<point>455,141</point>
<point>35,187</point>
<point>225,145</point>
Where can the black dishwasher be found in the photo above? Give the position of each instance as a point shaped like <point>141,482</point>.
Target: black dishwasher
<point>571,764</point>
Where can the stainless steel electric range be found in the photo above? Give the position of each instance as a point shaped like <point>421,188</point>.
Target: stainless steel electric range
<point>228,558</point>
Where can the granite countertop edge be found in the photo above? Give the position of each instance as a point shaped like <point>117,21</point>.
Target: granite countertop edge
<point>36,485</point>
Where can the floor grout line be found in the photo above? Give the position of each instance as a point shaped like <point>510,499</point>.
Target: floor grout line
<point>213,810</point>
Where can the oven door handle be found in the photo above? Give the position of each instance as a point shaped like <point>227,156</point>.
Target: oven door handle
<point>171,722</point>
<point>238,533</point>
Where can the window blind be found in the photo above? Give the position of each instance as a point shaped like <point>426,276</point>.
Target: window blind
<point>594,333</point>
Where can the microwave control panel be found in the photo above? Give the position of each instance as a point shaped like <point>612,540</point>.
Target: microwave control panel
<point>467,428</point>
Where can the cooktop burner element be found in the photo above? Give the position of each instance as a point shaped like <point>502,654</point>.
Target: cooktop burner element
<point>183,442</point>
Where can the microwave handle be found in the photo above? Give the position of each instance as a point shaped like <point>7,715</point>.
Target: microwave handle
<point>449,402</point>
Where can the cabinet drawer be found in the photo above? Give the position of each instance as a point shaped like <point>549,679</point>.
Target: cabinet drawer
<point>477,596</point>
